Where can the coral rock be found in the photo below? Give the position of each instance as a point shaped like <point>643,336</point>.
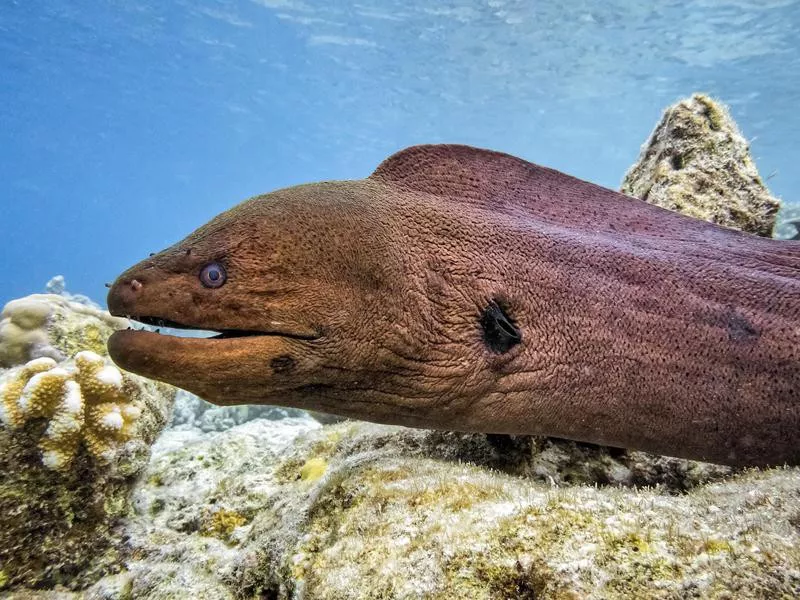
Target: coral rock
<point>74,437</point>
<point>11,390</point>
<point>697,162</point>
<point>49,325</point>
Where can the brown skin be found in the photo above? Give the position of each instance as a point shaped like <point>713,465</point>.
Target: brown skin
<point>641,328</point>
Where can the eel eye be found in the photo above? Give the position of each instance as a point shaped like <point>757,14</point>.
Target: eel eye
<point>213,275</point>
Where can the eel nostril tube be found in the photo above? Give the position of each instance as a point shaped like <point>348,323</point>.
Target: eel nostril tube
<point>136,285</point>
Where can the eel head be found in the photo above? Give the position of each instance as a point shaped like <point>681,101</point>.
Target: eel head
<point>349,297</point>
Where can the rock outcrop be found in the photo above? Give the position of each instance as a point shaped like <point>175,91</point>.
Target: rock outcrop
<point>698,163</point>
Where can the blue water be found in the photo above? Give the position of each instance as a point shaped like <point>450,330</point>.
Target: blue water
<point>124,125</point>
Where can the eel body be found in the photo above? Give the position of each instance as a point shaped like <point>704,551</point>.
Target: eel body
<point>462,289</point>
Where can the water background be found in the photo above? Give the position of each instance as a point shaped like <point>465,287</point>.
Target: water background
<point>125,125</point>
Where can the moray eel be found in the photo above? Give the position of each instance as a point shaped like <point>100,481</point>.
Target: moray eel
<point>463,289</point>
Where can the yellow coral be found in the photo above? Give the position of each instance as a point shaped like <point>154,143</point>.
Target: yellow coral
<point>84,403</point>
<point>11,390</point>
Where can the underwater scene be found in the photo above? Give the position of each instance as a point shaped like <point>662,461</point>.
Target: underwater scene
<point>473,299</point>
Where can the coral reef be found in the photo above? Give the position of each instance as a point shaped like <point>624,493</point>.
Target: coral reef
<point>58,285</point>
<point>48,325</point>
<point>191,411</point>
<point>83,403</point>
<point>697,162</point>
<point>74,437</point>
<point>788,227</point>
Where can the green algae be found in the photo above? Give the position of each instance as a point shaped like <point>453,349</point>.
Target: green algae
<point>713,546</point>
<point>713,111</point>
<point>313,465</point>
<point>71,338</point>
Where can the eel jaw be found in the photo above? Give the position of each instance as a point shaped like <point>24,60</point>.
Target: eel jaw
<point>223,370</point>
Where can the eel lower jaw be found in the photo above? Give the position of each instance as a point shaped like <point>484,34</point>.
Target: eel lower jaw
<point>213,368</point>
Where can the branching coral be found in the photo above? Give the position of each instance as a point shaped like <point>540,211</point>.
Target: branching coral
<point>84,403</point>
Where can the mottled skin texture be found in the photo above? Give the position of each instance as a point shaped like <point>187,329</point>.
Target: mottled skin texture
<point>641,328</point>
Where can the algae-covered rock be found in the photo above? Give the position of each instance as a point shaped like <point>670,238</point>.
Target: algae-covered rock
<point>697,162</point>
<point>73,439</point>
<point>197,503</point>
<point>380,523</point>
<point>50,325</point>
<point>62,527</point>
<point>289,509</point>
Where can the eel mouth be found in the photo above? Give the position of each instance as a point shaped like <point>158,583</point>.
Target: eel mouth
<point>221,333</point>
